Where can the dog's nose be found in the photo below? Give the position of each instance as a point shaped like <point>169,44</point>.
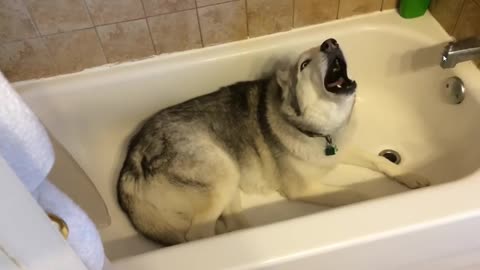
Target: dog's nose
<point>329,45</point>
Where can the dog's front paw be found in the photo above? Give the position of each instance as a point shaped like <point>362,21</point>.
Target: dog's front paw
<point>412,180</point>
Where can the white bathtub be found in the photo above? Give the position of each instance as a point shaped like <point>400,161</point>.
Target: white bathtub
<point>401,105</point>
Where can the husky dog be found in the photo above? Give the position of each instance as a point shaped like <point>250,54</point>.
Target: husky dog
<point>186,165</point>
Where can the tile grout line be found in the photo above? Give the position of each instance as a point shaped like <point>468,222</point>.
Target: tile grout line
<point>41,38</point>
<point>96,31</point>
<point>458,18</point>
<point>215,4</point>
<point>148,28</point>
<point>293,13</point>
<point>338,10</point>
<point>199,25</point>
<point>246,18</point>
<point>129,20</point>
<point>35,27</point>
<point>145,17</point>
<point>50,54</point>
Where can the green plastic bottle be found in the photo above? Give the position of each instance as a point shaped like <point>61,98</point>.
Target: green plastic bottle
<point>413,8</point>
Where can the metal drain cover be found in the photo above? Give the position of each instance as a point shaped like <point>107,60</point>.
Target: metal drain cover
<point>455,90</point>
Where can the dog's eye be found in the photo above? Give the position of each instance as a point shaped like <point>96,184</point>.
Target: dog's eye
<point>305,64</point>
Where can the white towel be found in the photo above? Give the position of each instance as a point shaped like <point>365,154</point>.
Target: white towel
<point>82,236</point>
<point>23,141</point>
<point>27,149</point>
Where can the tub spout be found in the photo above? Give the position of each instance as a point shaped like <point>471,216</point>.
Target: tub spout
<point>460,51</point>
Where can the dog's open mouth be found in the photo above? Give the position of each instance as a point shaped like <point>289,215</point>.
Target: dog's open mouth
<point>336,79</point>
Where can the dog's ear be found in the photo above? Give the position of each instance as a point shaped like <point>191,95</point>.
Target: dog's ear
<point>283,79</point>
<point>287,82</point>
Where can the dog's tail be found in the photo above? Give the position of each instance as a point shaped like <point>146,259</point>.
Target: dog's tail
<point>166,227</point>
<point>130,176</point>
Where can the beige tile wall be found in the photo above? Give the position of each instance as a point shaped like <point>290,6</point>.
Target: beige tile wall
<point>460,18</point>
<point>40,38</point>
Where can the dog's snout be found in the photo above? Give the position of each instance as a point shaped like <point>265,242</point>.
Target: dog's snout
<point>329,45</point>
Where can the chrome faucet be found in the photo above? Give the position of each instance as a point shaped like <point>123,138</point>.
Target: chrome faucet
<point>460,51</point>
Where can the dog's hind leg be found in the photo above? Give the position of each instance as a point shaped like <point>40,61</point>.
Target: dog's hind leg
<point>357,157</point>
<point>205,219</point>
<point>221,176</point>
<point>233,216</point>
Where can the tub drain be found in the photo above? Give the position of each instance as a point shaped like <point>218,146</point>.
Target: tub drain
<point>455,90</point>
<point>391,155</point>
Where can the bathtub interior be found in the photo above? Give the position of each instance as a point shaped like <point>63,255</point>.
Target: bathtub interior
<point>401,105</point>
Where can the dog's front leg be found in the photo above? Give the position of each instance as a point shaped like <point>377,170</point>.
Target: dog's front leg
<point>357,157</point>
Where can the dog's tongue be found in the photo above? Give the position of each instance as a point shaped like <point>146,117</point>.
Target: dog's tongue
<point>338,83</point>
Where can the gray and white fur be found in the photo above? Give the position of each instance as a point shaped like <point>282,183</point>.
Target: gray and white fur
<point>185,167</point>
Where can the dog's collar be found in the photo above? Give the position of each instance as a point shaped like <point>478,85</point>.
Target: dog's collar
<point>311,133</point>
<point>330,148</point>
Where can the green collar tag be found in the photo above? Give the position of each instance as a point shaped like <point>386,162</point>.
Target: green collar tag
<point>330,149</point>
